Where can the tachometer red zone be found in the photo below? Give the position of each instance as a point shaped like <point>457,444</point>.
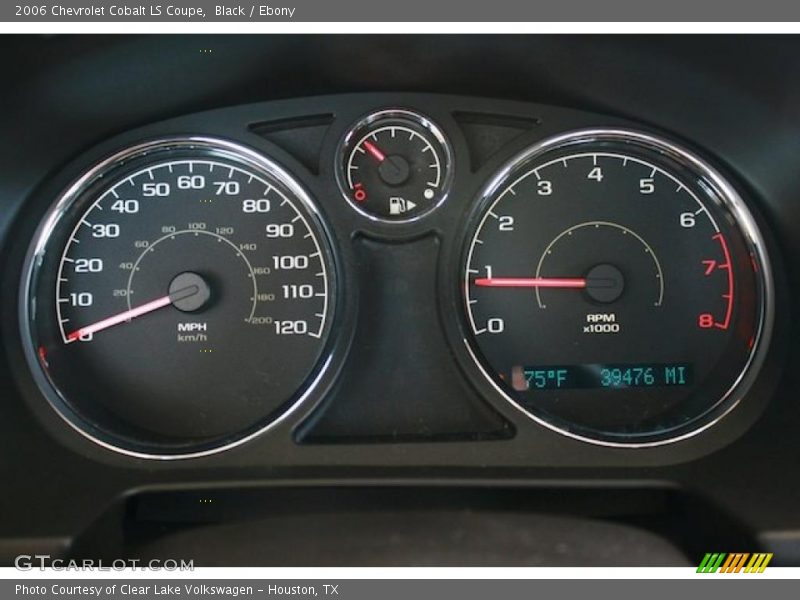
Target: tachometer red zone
<point>707,320</point>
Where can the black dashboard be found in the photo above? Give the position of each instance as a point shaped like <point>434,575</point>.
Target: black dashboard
<point>337,289</point>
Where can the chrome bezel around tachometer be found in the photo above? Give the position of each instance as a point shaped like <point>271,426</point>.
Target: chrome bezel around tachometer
<point>717,188</point>
<point>40,252</point>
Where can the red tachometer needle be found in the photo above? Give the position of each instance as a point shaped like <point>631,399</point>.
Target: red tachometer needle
<point>121,317</point>
<point>532,282</point>
<point>375,151</point>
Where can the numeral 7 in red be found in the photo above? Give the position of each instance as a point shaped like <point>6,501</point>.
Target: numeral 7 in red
<point>710,266</point>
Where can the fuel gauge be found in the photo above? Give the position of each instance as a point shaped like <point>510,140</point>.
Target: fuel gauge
<point>395,165</point>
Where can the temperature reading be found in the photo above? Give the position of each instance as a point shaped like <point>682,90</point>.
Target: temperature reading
<point>544,378</point>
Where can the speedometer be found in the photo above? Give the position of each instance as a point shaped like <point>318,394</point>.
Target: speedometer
<point>616,288</point>
<point>179,298</point>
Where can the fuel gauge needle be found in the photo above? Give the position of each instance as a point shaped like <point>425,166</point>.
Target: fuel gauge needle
<point>374,151</point>
<point>131,314</point>
<point>532,282</point>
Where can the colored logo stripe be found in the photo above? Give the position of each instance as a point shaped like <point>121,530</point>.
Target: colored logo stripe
<point>711,563</point>
<point>758,563</point>
<point>734,562</point>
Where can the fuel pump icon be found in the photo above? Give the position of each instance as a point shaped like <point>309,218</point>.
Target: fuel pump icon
<point>397,205</point>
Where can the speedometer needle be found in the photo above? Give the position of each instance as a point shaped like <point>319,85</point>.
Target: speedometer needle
<point>532,282</point>
<point>128,315</point>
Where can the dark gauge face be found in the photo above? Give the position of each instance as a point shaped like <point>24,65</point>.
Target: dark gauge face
<point>180,297</point>
<point>615,288</point>
<point>396,166</point>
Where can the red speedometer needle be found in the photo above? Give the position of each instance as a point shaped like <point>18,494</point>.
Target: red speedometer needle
<point>375,151</point>
<point>532,282</point>
<point>189,285</point>
<point>121,317</point>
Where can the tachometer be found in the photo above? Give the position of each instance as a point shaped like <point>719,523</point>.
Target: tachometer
<point>616,288</point>
<point>179,298</point>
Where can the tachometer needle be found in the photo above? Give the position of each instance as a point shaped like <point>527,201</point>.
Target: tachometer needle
<point>375,151</point>
<point>532,282</point>
<point>128,315</point>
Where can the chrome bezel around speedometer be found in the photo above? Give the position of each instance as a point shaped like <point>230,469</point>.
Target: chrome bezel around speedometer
<point>196,148</point>
<point>715,189</point>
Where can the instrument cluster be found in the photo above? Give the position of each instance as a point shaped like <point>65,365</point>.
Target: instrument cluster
<point>379,268</point>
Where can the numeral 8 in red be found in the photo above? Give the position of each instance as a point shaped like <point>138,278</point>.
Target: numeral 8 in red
<point>705,320</point>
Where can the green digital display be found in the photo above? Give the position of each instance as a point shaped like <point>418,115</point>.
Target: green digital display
<point>599,376</point>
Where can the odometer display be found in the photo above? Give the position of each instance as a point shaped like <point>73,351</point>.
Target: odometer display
<point>190,300</point>
<point>556,377</point>
<point>614,286</point>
